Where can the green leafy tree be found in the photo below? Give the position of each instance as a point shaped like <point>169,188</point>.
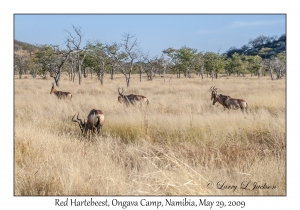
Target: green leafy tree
<point>237,64</point>
<point>186,58</point>
<point>45,58</point>
<point>254,64</point>
<point>98,59</point>
<point>214,63</point>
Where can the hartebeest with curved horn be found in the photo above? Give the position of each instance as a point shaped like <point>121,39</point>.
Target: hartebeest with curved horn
<point>218,98</point>
<point>95,120</point>
<point>131,99</point>
<point>60,94</point>
<point>236,103</point>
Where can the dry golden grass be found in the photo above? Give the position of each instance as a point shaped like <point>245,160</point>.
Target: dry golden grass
<point>176,146</point>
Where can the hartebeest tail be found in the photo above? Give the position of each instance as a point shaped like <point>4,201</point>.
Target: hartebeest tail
<point>60,94</point>
<point>95,120</point>
<point>131,99</point>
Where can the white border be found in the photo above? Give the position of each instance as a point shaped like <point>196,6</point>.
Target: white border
<point>8,201</point>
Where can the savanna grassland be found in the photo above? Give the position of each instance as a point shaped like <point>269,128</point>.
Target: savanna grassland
<point>179,145</point>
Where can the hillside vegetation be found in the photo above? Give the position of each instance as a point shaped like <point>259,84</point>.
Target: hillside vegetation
<point>179,145</point>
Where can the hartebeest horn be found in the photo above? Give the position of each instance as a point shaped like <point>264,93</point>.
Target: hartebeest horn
<point>119,91</point>
<point>73,118</point>
<point>79,121</point>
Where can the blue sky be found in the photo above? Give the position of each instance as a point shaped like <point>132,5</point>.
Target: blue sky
<point>153,32</point>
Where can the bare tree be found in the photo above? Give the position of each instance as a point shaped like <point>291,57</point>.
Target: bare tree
<point>130,46</point>
<point>280,64</point>
<point>165,62</point>
<point>76,42</point>
<point>141,63</point>
<point>60,57</point>
<point>270,64</point>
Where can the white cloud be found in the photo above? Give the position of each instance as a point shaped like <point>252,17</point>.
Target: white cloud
<point>237,24</point>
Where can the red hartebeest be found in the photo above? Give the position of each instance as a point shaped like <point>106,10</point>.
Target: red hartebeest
<point>60,94</point>
<point>95,120</point>
<point>227,101</point>
<point>131,99</point>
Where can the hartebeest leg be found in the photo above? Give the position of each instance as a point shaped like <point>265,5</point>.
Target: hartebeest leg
<point>99,128</point>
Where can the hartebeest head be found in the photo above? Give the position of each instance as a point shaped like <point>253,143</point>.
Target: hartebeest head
<point>131,99</point>
<point>122,98</point>
<point>213,92</point>
<point>217,98</point>
<point>95,120</point>
<point>60,94</point>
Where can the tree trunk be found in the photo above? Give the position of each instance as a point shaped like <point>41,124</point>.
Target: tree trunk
<point>165,73</point>
<point>259,73</point>
<point>72,72</point>
<point>20,73</point>
<point>140,74</point>
<point>102,73</point>
<point>101,78</point>
<point>112,73</point>
<point>201,72</point>
<point>79,74</point>
<point>57,76</point>
<point>271,73</point>
<point>279,73</point>
<point>85,73</point>
<point>79,63</point>
<point>128,81</point>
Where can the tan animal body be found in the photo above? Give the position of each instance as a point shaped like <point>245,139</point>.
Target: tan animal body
<point>60,94</point>
<point>233,103</point>
<point>131,99</point>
